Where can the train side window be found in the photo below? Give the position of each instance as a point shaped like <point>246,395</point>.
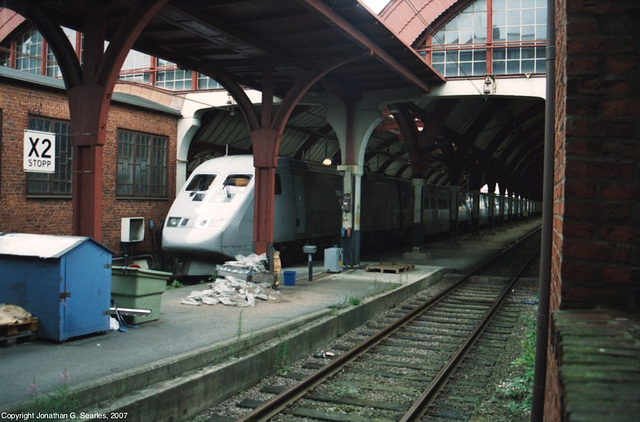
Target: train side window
<point>200,182</point>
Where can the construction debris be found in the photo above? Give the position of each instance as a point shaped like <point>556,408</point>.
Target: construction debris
<point>231,287</point>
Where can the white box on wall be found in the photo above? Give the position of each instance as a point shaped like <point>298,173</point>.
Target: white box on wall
<point>132,229</point>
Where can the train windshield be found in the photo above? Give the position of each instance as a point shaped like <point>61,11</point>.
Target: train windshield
<point>237,180</point>
<point>200,182</point>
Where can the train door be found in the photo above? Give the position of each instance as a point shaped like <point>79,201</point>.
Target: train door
<point>284,206</point>
<point>300,222</point>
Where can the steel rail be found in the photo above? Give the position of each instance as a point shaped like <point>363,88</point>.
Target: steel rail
<point>278,403</point>
<point>419,407</point>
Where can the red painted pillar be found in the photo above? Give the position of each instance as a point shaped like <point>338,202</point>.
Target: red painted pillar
<point>87,191</point>
<point>89,106</point>
<point>265,158</point>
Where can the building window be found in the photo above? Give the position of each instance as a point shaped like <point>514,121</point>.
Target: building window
<point>33,55</point>
<point>58,183</point>
<point>29,52</point>
<point>170,77</point>
<point>142,165</point>
<point>459,46</point>
<point>205,82</point>
<point>463,46</point>
<point>517,27</point>
<point>136,67</point>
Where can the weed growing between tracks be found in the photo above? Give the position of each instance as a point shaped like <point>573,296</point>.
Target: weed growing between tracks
<point>508,394</point>
<point>519,389</point>
<point>281,365</point>
<point>512,399</point>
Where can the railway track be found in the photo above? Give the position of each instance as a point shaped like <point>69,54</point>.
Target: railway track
<point>395,370</point>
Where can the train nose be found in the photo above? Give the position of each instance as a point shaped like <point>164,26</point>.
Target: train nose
<point>191,241</point>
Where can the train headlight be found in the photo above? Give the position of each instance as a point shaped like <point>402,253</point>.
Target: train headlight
<point>173,221</point>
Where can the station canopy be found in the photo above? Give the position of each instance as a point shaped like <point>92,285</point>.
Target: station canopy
<point>240,40</point>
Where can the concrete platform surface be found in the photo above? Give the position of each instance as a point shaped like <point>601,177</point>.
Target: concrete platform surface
<point>183,329</point>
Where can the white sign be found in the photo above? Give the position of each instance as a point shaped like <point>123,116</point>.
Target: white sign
<point>39,151</point>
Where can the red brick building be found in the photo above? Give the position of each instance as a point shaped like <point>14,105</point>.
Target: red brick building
<point>27,207</point>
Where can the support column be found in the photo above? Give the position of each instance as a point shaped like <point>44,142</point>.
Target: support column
<point>492,211</point>
<point>418,220</point>
<point>475,213</point>
<point>87,191</point>
<point>453,215</point>
<point>88,105</point>
<point>350,234</point>
<point>501,209</point>
<point>265,160</point>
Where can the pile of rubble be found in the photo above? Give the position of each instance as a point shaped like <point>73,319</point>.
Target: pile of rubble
<point>235,285</point>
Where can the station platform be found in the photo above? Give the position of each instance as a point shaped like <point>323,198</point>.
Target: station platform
<point>100,364</point>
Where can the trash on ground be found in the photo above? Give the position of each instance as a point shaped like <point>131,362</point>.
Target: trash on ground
<point>323,354</point>
<point>231,287</point>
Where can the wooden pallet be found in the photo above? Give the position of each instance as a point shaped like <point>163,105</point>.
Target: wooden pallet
<point>21,332</point>
<point>389,267</point>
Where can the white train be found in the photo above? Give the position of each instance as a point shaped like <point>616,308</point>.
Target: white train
<point>212,216</point>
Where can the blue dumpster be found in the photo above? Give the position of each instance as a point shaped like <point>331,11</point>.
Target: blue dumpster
<point>64,281</point>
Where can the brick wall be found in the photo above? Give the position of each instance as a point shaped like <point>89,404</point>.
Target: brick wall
<point>598,154</point>
<point>54,216</point>
<point>595,255</point>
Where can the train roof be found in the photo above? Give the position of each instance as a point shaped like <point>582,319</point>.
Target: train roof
<point>244,163</point>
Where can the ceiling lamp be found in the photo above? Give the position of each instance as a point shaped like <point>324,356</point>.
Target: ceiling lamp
<point>327,160</point>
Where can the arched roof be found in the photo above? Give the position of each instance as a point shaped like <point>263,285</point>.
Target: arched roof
<point>499,137</point>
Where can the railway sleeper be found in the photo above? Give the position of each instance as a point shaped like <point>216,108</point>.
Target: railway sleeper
<point>277,389</point>
<point>394,389</point>
<point>460,314</point>
<point>443,338</point>
<point>439,332</point>
<point>478,309</point>
<point>441,326</point>
<point>435,346</point>
<point>397,364</point>
<point>441,320</point>
<point>309,413</point>
<point>451,415</point>
<point>387,374</point>
<point>396,353</point>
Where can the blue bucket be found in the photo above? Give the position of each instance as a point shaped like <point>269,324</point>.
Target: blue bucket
<point>289,278</point>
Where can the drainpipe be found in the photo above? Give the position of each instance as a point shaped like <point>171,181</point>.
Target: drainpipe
<point>542,335</point>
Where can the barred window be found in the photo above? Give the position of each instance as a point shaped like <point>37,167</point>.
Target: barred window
<point>58,183</point>
<point>142,165</point>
